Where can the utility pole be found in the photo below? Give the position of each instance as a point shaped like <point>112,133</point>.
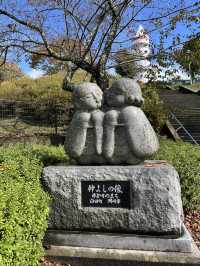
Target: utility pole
<point>188,53</point>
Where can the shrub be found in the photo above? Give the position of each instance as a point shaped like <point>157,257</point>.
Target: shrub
<point>50,155</point>
<point>44,89</point>
<point>23,203</point>
<point>37,101</point>
<point>186,159</point>
<point>154,107</point>
<point>9,71</point>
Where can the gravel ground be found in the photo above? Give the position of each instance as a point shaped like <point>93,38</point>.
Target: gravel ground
<point>192,222</point>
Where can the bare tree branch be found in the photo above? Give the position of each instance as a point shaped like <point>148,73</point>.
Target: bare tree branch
<point>87,33</point>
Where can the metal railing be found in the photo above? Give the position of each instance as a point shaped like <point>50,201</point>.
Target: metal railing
<point>181,126</point>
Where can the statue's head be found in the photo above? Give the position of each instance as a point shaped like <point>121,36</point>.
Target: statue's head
<point>87,96</point>
<point>124,91</point>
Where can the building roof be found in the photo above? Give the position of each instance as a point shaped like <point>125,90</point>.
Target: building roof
<point>177,99</point>
<point>192,89</point>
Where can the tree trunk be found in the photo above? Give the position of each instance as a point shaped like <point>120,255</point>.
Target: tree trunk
<point>192,75</point>
<point>192,78</point>
<point>102,80</point>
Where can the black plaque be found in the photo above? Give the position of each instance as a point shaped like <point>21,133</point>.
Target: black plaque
<point>105,194</point>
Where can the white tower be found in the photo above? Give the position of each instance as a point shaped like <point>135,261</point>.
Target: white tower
<point>141,51</point>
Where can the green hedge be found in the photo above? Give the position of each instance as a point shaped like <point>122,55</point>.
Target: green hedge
<point>23,204</point>
<point>50,155</point>
<point>186,159</point>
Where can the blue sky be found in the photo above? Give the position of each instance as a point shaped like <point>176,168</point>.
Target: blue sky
<point>26,68</point>
<point>181,29</point>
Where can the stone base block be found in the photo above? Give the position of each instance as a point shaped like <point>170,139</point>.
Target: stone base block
<point>82,256</point>
<point>141,199</point>
<point>119,241</point>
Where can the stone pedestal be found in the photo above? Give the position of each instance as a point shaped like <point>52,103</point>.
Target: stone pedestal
<point>119,241</point>
<point>82,256</point>
<point>143,199</point>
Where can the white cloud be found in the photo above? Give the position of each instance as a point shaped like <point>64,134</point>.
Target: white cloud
<point>34,73</point>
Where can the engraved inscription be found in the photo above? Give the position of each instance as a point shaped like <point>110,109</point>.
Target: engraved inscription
<point>107,194</point>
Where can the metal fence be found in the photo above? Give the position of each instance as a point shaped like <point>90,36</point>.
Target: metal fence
<point>22,119</point>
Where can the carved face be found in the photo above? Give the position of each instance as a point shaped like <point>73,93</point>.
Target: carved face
<point>87,96</point>
<point>124,92</point>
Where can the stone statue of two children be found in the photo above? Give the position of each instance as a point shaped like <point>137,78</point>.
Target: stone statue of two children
<point>117,132</point>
